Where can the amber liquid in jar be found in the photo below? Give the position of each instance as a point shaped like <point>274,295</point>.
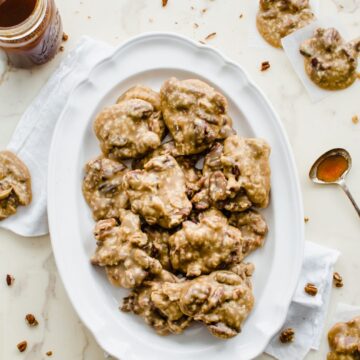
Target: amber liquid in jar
<point>30,31</point>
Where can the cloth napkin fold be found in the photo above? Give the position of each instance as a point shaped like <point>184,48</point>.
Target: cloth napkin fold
<point>31,142</point>
<point>306,313</point>
<point>32,137</point>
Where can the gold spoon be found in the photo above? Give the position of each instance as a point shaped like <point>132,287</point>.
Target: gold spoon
<point>332,168</point>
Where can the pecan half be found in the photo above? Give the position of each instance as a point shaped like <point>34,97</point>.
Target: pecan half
<point>287,335</point>
<point>338,281</point>
<point>22,346</point>
<point>49,353</point>
<point>31,320</point>
<point>9,280</point>
<point>265,65</point>
<point>311,289</point>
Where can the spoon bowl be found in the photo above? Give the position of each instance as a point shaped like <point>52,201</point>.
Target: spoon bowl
<point>340,180</point>
<point>313,174</point>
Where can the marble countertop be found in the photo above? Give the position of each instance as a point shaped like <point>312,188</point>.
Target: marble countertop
<point>312,129</point>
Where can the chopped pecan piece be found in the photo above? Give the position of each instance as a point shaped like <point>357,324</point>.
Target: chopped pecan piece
<point>210,36</point>
<point>265,65</point>
<point>287,335</point>
<point>31,320</point>
<point>22,346</point>
<point>338,281</point>
<point>9,280</point>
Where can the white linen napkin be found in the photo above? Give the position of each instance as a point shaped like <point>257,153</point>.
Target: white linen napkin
<point>32,137</point>
<point>31,142</point>
<point>306,314</point>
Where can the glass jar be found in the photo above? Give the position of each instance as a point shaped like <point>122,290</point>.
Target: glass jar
<point>31,32</point>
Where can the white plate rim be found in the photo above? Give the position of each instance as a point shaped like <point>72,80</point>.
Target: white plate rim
<point>282,308</point>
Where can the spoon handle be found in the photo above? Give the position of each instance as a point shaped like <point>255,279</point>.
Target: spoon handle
<point>347,192</point>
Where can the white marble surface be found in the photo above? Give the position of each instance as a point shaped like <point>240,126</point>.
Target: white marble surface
<point>312,129</point>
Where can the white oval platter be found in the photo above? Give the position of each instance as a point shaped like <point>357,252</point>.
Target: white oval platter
<point>150,59</point>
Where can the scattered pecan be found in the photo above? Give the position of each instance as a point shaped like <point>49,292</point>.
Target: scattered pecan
<point>31,320</point>
<point>355,119</point>
<point>65,37</point>
<point>210,36</point>
<point>338,281</point>
<point>9,279</point>
<point>164,2</point>
<point>241,16</point>
<point>306,219</point>
<point>22,346</point>
<point>49,353</point>
<point>203,11</point>
<point>196,25</point>
<point>311,289</point>
<point>61,48</point>
<point>314,62</point>
<point>287,335</point>
<point>265,65</point>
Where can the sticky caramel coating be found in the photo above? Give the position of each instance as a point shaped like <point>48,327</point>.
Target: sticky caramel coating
<point>125,129</point>
<point>253,229</point>
<point>15,184</point>
<point>195,114</point>
<point>330,62</point>
<point>186,163</point>
<point>199,248</point>
<point>158,192</point>
<point>279,18</point>
<point>167,148</point>
<point>236,175</point>
<point>155,122</point>
<point>155,307</point>
<point>124,251</point>
<point>159,240</point>
<point>213,186</point>
<point>247,168</point>
<point>102,187</point>
<point>344,340</point>
<point>221,300</point>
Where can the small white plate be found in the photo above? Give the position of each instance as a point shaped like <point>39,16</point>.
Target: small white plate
<point>150,59</point>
